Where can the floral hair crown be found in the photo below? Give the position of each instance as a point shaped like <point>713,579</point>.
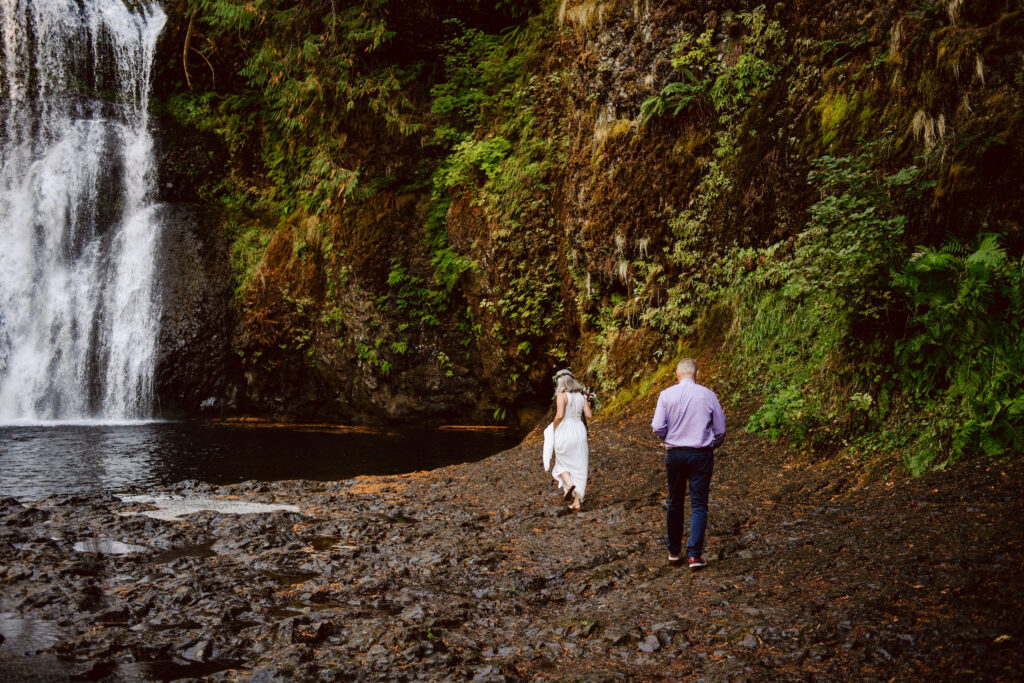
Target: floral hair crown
<point>563,373</point>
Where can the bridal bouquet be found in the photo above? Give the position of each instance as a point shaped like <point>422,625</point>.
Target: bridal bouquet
<point>592,399</point>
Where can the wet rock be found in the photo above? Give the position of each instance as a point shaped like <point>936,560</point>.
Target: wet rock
<point>201,651</point>
<point>8,503</point>
<point>114,615</point>
<point>92,671</point>
<point>195,370</point>
<point>528,597</point>
<point>749,641</point>
<point>616,635</point>
<point>650,644</point>
<point>269,674</point>
<point>666,631</point>
<point>488,673</point>
<point>413,615</point>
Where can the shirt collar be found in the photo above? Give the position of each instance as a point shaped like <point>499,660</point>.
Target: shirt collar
<point>687,380</point>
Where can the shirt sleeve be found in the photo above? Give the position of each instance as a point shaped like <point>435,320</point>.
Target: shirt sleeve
<point>717,421</point>
<point>660,422</point>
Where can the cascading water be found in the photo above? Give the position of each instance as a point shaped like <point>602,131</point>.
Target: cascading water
<point>78,228</point>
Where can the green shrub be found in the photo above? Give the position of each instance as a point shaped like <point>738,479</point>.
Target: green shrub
<point>963,358</point>
<point>246,255</point>
<point>853,239</point>
<point>311,78</point>
<point>784,412</point>
<point>704,81</point>
<point>816,319</point>
<point>850,324</point>
<point>697,64</point>
<point>477,66</point>
<point>473,155</point>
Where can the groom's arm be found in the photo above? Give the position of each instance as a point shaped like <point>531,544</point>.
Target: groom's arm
<point>660,422</point>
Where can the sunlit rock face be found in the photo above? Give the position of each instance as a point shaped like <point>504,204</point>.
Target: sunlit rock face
<point>79,313</point>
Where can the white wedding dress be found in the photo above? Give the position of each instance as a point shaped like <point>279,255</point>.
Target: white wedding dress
<point>569,445</point>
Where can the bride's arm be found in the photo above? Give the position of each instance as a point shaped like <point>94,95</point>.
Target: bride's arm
<point>559,409</point>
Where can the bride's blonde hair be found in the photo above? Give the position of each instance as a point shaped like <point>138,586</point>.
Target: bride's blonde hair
<point>564,381</point>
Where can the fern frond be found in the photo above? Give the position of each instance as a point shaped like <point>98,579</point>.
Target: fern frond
<point>988,258</point>
<point>955,248</point>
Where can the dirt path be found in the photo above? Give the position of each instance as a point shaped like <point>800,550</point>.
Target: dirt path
<point>477,572</point>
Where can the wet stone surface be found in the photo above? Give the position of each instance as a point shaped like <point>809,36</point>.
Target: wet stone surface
<point>477,572</point>
<point>105,546</point>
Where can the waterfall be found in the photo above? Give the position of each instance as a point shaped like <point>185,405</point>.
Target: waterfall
<point>79,229</point>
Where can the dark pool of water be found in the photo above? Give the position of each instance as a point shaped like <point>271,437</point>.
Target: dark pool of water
<point>25,635</point>
<point>36,461</point>
<point>26,639</point>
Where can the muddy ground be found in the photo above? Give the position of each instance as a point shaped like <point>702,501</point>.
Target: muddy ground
<point>819,569</point>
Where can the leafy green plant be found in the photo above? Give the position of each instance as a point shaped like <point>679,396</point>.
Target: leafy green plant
<point>473,155</point>
<point>446,363</point>
<point>828,303</point>
<point>937,332</point>
<point>697,64</point>
<point>246,255</point>
<point>963,361</point>
<point>853,239</point>
<point>706,269</point>
<point>477,67</point>
<point>705,80</point>
<point>754,72</point>
<point>784,412</point>
<point>301,66</point>
<point>498,158</point>
<point>411,295</point>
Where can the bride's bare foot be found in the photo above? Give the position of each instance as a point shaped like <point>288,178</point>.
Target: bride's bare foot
<point>569,493</point>
<point>576,502</point>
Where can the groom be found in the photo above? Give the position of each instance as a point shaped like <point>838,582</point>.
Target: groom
<point>690,421</point>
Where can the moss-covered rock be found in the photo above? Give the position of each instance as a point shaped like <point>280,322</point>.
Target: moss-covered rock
<point>523,214</point>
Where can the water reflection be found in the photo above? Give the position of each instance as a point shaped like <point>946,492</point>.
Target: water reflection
<point>36,461</point>
<point>26,635</point>
<point>106,546</point>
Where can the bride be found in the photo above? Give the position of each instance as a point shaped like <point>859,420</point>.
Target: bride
<point>567,438</point>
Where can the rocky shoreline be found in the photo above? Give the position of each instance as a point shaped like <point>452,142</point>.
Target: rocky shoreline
<point>818,570</point>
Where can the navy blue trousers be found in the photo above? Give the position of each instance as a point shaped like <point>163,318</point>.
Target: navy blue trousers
<point>691,466</point>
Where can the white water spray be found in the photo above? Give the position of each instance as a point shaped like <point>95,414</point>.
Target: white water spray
<point>79,316</point>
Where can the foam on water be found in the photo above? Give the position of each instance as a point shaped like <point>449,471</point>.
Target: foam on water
<point>174,507</point>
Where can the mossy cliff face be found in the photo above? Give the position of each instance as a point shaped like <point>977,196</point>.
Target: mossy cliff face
<point>568,183</point>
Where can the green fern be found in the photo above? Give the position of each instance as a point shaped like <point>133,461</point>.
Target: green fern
<point>964,355</point>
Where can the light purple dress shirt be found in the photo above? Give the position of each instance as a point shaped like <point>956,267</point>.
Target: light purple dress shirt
<point>689,416</point>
